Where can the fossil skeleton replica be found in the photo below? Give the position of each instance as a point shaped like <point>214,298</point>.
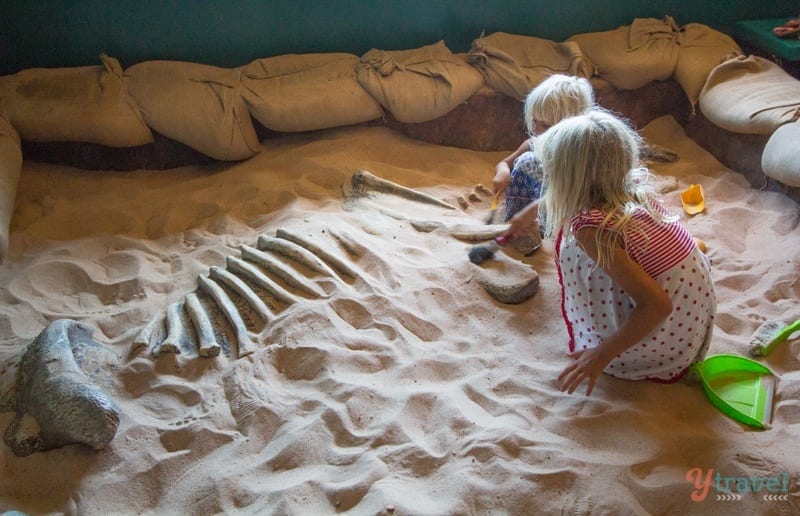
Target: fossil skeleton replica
<point>233,303</point>
<point>233,309</point>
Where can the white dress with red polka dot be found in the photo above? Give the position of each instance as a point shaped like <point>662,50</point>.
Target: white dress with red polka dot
<point>594,307</point>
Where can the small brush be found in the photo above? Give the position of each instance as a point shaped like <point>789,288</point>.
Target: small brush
<point>769,335</point>
<point>480,253</point>
<point>493,209</point>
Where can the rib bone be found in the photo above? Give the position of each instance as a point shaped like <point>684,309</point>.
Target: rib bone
<point>207,342</point>
<point>252,273</point>
<point>295,252</point>
<point>245,345</point>
<point>334,261</point>
<point>241,288</point>
<point>175,331</point>
<point>277,268</point>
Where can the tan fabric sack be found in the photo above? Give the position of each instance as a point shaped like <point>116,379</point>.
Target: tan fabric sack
<point>514,64</point>
<point>700,50</point>
<point>780,158</point>
<point>631,56</point>
<point>750,95</point>
<point>196,104</point>
<point>306,92</point>
<point>10,169</point>
<point>79,104</point>
<point>420,84</point>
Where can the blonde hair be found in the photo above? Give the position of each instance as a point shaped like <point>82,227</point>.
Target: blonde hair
<point>590,161</point>
<point>556,98</point>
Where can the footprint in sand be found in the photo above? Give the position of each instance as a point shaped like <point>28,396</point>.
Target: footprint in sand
<point>64,288</point>
<point>356,315</point>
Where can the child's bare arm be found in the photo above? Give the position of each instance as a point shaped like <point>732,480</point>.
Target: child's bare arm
<point>502,171</point>
<point>652,306</point>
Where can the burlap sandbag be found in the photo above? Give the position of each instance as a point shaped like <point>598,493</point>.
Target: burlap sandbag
<point>514,64</point>
<point>750,95</point>
<point>700,50</point>
<point>779,159</point>
<point>80,104</point>
<point>420,84</point>
<point>10,168</point>
<point>196,104</point>
<point>306,92</point>
<point>633,55</point>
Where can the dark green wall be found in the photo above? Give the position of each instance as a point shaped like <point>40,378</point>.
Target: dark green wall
<point>229,33</point>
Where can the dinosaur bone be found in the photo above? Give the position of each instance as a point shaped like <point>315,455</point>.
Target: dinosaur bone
<point>56,404</point>
<point>363,181</point>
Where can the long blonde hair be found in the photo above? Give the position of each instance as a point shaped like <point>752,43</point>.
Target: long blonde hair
<point>590,161</point>
<point>556,98</point>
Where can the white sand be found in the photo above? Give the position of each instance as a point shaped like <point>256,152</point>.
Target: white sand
<point>410,393</point>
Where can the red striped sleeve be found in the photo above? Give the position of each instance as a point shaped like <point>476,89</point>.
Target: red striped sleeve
<point>656,246</point>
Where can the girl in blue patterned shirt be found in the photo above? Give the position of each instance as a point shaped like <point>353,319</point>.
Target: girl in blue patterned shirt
<point>518,175</point>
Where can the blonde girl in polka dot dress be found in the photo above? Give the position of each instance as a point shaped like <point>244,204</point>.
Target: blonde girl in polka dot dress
<point>637,295</point>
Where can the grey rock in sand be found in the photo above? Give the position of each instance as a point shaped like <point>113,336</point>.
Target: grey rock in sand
<point>56,404</point>
<point>513,289</point>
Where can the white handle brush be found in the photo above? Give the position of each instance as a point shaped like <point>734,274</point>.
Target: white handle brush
<point>769,335</point>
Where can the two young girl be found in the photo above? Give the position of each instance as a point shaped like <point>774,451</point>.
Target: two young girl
<point>637,295</point>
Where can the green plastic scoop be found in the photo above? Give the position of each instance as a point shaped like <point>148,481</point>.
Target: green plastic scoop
<point>741,388</point>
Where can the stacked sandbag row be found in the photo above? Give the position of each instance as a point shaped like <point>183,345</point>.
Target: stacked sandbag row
<point>628,57</point>
<point>752,95</point>
<point>210,108</point>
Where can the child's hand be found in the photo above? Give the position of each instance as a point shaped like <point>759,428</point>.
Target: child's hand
<point>524,221</point>
<point>501,179</point>
<point>588,366</point>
